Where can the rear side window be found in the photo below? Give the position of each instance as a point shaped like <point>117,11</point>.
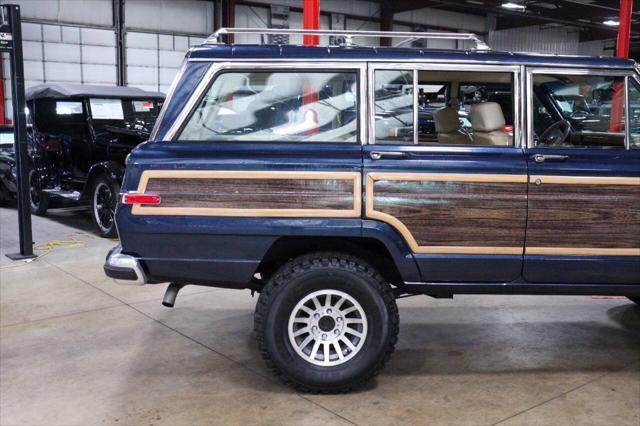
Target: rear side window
<point>579,111</point>
<point>451,107</point>
<point>277,106</point>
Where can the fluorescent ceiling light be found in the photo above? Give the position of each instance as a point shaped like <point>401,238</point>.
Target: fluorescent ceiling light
<point>611,23</point>
<point>513,6</point>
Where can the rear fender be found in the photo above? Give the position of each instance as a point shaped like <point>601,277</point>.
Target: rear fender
<point>111,169</point>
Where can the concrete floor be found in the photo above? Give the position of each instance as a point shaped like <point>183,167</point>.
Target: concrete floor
<point>75,348</point>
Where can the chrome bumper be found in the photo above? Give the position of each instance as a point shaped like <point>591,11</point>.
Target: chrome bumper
<point>123,268</point>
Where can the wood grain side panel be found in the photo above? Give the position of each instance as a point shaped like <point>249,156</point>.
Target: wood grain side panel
<point>456,216</point>
<point>588,216</point>
<point>254,193</point>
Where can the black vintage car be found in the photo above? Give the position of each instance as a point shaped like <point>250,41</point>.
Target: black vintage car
<point>79,137</point>
<point>8,187</point>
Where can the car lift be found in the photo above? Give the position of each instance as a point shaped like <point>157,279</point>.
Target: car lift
<point>11,43</point>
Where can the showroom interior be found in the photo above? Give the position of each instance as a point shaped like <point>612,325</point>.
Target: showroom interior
<point>78,348</point>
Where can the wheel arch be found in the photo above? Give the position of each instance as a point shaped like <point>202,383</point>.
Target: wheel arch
<point>112,169</point>
<point>371,250</point>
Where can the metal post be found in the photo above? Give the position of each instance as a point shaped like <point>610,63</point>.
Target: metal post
<point>311,18</point>
<point>386,23</point>
<point>119,28</point>
<point>20,136</point>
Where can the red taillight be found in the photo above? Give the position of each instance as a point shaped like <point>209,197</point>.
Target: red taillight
<point>140,199</point>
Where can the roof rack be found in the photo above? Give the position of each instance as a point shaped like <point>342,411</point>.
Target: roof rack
<point>349,35</point>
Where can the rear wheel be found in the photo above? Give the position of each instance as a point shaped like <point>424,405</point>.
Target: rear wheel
<point>326,322</point>
<point>104,198</point>
<point>39,199</point>
<point>635,300</point>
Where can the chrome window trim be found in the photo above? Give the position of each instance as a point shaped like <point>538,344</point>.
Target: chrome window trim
<point>217,68</point>
<point>627,115</point>
<point>167,99</point>
<point>573,71</point>
<point>428,66</point>
<point>414,77</point>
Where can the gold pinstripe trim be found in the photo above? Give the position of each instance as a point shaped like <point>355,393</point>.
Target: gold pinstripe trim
<point>355,177</point>
<point>585,180</point>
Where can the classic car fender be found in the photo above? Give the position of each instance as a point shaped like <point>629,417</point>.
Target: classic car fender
<point>112,169</point>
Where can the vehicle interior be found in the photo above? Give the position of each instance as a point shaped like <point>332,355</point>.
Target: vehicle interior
<point>578,110</point>
<point>285,106</point>
<point>68,116</point>
<point>453,107</point>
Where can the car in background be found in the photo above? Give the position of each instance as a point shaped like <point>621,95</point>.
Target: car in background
<point>8,187</point>
<point>79,137</point>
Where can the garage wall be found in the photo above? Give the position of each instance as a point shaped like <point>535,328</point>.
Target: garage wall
<point>153,59</point>
<point>59,53</point>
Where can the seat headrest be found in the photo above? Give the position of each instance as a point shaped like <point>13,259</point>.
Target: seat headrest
<point>283,86</point>
<point>487,117</point>
<point>446,120</point>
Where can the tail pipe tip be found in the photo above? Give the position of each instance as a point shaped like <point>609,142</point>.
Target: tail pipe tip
<point>170,295</point>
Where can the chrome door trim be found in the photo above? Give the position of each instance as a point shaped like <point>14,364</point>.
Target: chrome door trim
<point>217,68</point>
<point>427,66</point>
<point>531,70</point>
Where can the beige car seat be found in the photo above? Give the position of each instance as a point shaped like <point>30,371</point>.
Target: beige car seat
<point>487,121</point>
<point>448,127</point>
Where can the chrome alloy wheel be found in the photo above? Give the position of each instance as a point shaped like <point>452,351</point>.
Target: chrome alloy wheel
<point>103,206</point>
<point>327,328</point>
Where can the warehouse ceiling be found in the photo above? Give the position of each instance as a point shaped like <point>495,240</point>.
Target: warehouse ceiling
<point>587,16</point>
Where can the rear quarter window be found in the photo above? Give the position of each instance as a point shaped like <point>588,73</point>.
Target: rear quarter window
<point>279,106</point>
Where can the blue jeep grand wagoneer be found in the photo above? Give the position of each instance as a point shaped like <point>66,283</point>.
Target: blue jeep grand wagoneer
<point>333,180</point>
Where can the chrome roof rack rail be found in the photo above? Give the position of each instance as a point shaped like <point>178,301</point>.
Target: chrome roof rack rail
<point>348,35</point>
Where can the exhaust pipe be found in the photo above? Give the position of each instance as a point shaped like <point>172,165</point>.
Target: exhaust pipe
<point>170,295</point>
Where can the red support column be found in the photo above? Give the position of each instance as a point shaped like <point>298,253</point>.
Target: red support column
<point>624,30</point>
<point>311,18</point>
<point>622,51</point>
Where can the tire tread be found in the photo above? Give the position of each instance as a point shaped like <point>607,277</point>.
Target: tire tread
<point>309,262</point>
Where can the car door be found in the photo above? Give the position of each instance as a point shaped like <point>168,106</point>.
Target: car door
<point>445,172</point>
<point>584,179</point>
<point>261,151</point>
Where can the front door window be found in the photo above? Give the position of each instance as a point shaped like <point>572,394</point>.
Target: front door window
<point>578,111</point>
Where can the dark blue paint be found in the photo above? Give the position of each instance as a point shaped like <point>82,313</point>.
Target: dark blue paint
<point>279,53</point>
<point>227,251</point>
<point>191,76</point>
<point>583,269</point>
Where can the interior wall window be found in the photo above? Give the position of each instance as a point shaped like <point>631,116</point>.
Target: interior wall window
<point>277,106</point>
<point>634,114</point>
<point>581,111</point>
<point>394,107</point>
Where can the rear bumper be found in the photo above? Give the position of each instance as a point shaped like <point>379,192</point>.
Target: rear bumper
<point>124,268</point>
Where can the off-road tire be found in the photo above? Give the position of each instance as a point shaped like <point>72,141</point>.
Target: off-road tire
<point>103,183</point>
<point>316,272</point>
<point>635,300</point>
<point>38,199</point>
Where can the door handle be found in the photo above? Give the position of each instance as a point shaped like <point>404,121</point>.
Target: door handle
<point>377,155</point>
<point>541,158</point>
